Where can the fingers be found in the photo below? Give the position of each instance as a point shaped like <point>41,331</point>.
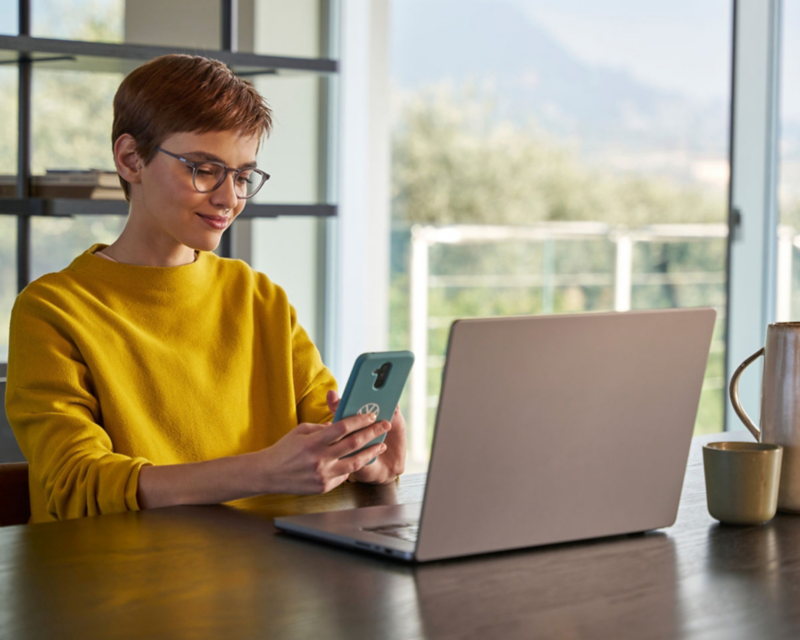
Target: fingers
<point>346,466</point>
<point>332,399</point>
<point>309,428</point>
<point>332,483</point>
<point>361,438</point>
<point>335,472</point>
<point>345,427</point>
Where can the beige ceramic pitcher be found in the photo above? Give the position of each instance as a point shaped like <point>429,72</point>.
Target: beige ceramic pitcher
<point>780,405</point>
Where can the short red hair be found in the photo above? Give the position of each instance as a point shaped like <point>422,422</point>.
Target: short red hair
<point>181,93</point>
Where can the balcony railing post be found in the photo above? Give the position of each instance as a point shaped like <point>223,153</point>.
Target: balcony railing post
<point>418,329</point>
<point>623,272</point>
<point>548,273</point>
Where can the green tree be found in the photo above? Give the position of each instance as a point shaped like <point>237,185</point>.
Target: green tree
<point>456,162</point>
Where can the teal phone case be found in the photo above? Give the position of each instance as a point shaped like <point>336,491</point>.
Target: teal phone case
<point>362,396</point>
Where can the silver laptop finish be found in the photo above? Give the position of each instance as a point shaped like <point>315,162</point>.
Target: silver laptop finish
<point>549,429</point>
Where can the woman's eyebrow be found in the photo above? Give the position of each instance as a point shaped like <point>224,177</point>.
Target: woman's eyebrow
<point>204,155</point>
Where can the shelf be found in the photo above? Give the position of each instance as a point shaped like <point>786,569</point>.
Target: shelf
<point>276,210</point>
<point>58,207</point>
<point>107,57</point>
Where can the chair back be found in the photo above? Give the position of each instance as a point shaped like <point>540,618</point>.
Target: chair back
<point>15,502</point>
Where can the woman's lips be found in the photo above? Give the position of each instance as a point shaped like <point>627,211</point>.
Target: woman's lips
<point>217,222</point>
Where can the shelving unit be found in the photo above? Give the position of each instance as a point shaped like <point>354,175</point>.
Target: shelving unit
<point>107,57</point>
<point>60,207</point>
<point>25,51</point>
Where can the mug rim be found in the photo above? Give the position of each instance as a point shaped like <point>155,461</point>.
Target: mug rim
<point>788,323</point>
<point>737,446</point>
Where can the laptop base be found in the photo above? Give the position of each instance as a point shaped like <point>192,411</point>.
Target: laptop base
<point>349,528</point>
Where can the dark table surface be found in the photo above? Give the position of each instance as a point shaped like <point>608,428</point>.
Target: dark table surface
<point>224,572</point>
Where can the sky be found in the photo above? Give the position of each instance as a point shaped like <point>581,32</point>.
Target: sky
<point>681,46</point>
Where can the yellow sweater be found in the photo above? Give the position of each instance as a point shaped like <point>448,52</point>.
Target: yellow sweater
<point>113,366</point>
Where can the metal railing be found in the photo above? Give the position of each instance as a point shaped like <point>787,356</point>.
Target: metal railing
<point>622,280</point>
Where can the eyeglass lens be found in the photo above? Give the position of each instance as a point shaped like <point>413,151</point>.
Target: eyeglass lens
<point>210,176</point>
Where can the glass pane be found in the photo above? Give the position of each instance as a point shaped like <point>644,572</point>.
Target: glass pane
<point>272,27</point>
<point>194,24</point>
<point>283,28</point>
<point>9,17</point>
<point>72,117</point>
<point>9,80</point>
<point>788,285</point>
<point>89,20</point>
<point>558,157</point>
<point>288,251</point>
<point>58,241</point>
<point>8,278</point>
<point>291,154</point>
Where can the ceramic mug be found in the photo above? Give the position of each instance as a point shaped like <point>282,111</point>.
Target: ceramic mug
<point>742,481</point>
<point>780,405</point>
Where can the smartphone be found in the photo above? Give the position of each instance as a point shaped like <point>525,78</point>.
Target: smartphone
<point>375,385</point>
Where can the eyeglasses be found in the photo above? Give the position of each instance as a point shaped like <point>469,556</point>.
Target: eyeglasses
<point>209,176</point>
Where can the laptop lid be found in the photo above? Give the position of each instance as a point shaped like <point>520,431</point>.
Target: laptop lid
<point>560,428</point>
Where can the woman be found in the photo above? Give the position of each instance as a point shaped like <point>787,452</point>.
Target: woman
<point>150,372</point>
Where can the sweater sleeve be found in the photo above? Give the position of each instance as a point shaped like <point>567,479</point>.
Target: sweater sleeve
<point>312,379</point>
<point>56,417</point>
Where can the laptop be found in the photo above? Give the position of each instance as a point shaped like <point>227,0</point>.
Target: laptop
<point>550,429</point>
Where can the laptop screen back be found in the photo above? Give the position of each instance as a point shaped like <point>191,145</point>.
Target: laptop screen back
<point>559,428</point>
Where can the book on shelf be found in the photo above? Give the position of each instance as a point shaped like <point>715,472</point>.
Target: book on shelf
<point>93,184</point>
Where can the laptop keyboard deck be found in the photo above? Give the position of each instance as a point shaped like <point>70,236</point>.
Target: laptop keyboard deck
<point>408,532</point>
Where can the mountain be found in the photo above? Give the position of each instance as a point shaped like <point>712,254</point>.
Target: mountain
<point>606,110</point>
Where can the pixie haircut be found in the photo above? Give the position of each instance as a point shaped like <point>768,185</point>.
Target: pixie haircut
<point>182,93</point>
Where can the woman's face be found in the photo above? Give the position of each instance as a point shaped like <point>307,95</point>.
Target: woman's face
<point>172,210</point>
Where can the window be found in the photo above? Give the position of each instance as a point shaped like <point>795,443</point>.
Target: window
<point>556,157</point>
<point>788,271</point>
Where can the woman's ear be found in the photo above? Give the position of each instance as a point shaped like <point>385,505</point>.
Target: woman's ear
<point>129,164</point>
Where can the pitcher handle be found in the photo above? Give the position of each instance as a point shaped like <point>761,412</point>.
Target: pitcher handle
<point>734,393</point>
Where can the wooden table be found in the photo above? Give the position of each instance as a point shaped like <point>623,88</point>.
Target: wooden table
<point>224,573</point>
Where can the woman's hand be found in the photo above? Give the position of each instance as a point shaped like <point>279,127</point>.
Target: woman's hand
<point>310,458</point>
<point>392,461</point>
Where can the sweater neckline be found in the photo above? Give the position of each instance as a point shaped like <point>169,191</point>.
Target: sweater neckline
<point>186,276</point>
<point>102,254</point>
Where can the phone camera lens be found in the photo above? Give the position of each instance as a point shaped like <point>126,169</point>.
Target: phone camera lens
<point>381,373</point>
